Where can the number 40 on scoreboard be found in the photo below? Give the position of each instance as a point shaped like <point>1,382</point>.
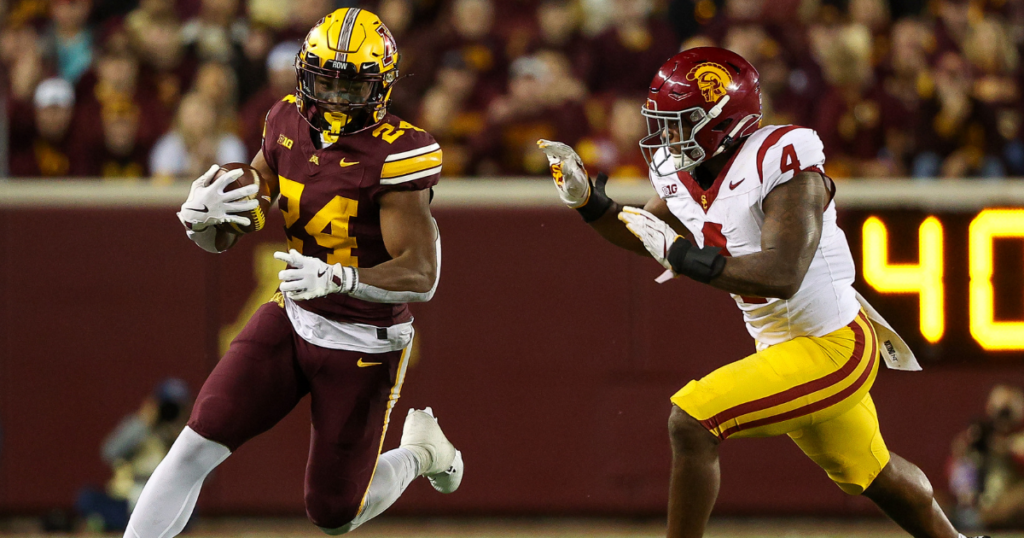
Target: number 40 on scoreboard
<point>925,278</point>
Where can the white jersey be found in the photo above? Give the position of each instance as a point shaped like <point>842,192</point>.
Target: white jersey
<point>730,215</point>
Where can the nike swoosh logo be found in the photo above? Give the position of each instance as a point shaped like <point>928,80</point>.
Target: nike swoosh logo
<point>344,164</point>
<point>737,184</point>
<point>321,273</point>
<point>203,210</point>
<point>362,364</point>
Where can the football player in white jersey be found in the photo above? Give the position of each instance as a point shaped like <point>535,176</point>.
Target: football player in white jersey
<point>750,211</point>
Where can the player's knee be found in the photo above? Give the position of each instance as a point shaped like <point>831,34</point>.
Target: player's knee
<point>332,515</point>
<point>687,433</point>
<point>855,480</point>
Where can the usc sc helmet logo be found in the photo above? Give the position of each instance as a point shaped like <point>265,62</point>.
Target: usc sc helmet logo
<point>712,79</point>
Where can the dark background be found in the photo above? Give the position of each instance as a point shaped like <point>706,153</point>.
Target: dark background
<point>548,356</point>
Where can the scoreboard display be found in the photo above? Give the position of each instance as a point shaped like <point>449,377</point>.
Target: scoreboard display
<point>951,283</point>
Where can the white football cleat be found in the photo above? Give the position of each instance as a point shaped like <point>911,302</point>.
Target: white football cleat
<point>422,434</point>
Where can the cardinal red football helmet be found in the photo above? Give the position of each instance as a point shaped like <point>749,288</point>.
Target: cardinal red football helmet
<point>701,101</point>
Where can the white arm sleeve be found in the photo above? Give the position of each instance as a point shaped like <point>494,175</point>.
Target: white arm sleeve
<point>796,151</point>
<point>378,295</point>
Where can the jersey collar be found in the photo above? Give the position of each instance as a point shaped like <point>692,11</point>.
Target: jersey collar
<point>705,198</point>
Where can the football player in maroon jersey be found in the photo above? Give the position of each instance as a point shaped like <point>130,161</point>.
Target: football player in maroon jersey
<point>354,190</point>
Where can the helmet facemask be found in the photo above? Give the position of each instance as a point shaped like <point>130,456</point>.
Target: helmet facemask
<point>685,152</point>
<point>338,101</point>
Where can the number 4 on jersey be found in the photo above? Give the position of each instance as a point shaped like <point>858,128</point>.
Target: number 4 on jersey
<point>789,160</point>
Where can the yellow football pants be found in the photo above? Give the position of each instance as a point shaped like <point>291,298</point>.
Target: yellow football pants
<point>813,389</point>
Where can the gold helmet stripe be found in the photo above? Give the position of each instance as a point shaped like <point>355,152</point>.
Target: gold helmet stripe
<point>346,33</point>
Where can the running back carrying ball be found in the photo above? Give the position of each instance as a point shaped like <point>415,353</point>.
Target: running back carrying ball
<point>258,216</point>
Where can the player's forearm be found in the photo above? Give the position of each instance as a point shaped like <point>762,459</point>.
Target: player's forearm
<point>616,233</point>
<point>400,275</point>
<point>769,274</point>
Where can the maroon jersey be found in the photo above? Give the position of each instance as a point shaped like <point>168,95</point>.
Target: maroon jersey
<point>329,197</point>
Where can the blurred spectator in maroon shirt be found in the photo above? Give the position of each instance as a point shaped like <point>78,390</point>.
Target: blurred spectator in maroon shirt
<point>216,33</point>
<point>68,41</point>
<point>194,143</point>
<point>118,153</point>
<point>167,68</point>
<point>615,150</point>
<point>628,55</point>
<point>21,58</point>
<point>906,80</point>
<point>543,101</point>
<point>471,33</point>
<point>114,79</point>
<point>304,14</point>
<point>952,140</point>
<point>952,25</point>
<point>46,150</point>
<point>216,82</point>
<point>854,116</point>
<point>454,112</point>
<point>995,60</point>
<point>281,76</point>
<point>558,30</point>
<point>976,110</point>
<point>419,56</point>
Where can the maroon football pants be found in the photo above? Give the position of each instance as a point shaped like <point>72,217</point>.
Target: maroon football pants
<point>267,370</point>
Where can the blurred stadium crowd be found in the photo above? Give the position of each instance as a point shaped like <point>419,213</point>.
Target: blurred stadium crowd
<point>162,88</point>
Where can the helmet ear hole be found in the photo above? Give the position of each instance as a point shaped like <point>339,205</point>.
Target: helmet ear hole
<point>722,125</point>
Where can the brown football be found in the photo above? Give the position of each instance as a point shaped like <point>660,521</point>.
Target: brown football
<point>257,217</point>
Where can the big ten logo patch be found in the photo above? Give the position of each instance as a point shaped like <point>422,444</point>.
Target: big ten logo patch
<point>285,141</point>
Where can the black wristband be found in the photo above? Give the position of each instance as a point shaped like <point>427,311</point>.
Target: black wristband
<point>700,264</point>
<point>598,203</point>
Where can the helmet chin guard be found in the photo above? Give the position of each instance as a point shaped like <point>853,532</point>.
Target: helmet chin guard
<point>701,101</point>
<point>686,153</point>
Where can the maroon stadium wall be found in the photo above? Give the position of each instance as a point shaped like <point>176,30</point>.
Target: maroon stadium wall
<point>548,356</point>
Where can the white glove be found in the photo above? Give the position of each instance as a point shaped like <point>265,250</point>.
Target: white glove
<point>568,172</point>
<point>656,235</point>
<point>311,278</point>
<point>208,204</point>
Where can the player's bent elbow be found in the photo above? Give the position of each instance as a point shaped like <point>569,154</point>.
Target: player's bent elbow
<point>424,288</point>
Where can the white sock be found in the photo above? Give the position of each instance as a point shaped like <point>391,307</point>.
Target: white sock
<point>171,493</point>
<point>396,469</point>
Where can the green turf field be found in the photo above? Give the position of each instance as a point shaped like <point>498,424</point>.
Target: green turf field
<point>531,528</point>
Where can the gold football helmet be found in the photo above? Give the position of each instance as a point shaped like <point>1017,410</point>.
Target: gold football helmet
<point>345,72</point>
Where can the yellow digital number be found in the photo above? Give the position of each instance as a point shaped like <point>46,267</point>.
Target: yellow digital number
<point>925,278</point>
<point>334,215</point>
<point>989,333</point>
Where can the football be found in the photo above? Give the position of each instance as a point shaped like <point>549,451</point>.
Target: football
<point>258,216</point>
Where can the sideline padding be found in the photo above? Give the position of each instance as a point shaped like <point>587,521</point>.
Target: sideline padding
<point>942,194</point>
